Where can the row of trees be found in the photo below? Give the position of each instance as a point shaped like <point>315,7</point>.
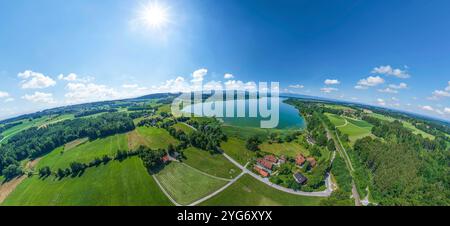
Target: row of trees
<point>35,142</point>
<point>94,111</point>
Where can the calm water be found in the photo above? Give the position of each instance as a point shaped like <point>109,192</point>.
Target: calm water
<point>289,116</point>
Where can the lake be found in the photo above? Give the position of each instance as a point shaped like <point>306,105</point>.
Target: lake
<point>289,115</point>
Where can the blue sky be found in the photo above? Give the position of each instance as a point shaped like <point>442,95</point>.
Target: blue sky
<point>392,53</point>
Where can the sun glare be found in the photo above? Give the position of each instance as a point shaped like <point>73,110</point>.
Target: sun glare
<point>154,15</point>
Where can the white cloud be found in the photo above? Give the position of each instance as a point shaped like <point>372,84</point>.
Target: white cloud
<point>130,86</point>
<point>35,80</point>
<point>370,81</point>
<point>328,89</point>
<point>448,87</point>
<point>4,94</point>
<point>199,74</point>
<point>402,85</point>
<point>381,102</point>
<point>332,82</point>
<point>388,70</point>
<point>387,90</point>
<point>40,97</point>
<point>297,86</point>
<point>447,110</point>
<point>394,99</point>
<point>228,76</point>
<point>69,77</point>
<point>82,93</point>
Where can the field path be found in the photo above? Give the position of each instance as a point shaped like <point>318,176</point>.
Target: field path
<point>8,187</point>
<point>165,192</point>
<point>218,191</point>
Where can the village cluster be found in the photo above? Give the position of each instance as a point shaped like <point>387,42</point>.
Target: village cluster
<point>268,165</point>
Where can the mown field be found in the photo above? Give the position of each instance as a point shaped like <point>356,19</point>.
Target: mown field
<point>186,185</point>
<point>214,164</point>
<point>248,191</point>
<point>236,149</point>
<point>114,184</point>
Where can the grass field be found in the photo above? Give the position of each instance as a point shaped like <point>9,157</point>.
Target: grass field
<point>84,153</point>
<point>244,132</point>
<point>291,149</point>
<point>248,191</point>
<point>216,165</point>
<point>187,185</point>
<point>151,137</point>
<point>236,149</point>
<point>355,129</point>
<point>117,183</point>
<point>336,120</point>
<point>183,127</point>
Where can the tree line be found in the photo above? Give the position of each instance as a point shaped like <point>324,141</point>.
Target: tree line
<point>34,142</point>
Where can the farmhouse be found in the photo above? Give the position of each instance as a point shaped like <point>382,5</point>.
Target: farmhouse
<point>261,172</point>
<point>300,178</point>
<point>266,164</point>
<point>300,159</point>
<point>312,161</point>
<point>271,158</point>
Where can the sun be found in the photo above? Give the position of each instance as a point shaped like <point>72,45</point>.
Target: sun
<point>154,15</point>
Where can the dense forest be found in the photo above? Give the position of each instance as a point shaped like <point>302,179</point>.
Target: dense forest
<point>406,169</point>
<point>35,142</point>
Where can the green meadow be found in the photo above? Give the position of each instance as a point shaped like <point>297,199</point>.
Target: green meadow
<point>236,149</point>
<point>183,127</point>
<point>113,184</point>
<point>84,153</point>
<point>290,149</point>
<point>355,129</point>
<point>151,137</point>
<point>248,191</point>
<point>213,164</point>
<point>186,185</point>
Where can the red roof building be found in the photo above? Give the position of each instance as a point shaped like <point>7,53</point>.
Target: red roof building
<point>271,158</point>
<point>266,164</point>
<point>261,172</point>
<point>312,161</point>
<point>300,159</point>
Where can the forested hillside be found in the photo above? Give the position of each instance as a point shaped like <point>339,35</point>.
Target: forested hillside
<point>35,141</point>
